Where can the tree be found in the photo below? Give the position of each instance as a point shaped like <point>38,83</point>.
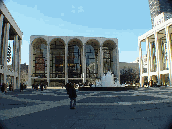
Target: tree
<point>129,75</point>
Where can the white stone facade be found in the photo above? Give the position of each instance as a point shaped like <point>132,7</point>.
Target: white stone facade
<point>159,50</point>
<point>58,53</point>
<point>9,31</point>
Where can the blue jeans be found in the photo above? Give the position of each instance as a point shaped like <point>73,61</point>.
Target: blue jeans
<point>71,102</point>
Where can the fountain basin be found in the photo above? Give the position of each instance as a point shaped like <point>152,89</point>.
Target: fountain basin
<point>108,88</point>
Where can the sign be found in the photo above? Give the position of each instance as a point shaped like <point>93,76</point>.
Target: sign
<point>159,19</point>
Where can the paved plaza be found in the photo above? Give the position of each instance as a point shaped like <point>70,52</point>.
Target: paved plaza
<point>145,108</point>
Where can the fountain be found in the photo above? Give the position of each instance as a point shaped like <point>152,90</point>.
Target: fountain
<point>107,83</point>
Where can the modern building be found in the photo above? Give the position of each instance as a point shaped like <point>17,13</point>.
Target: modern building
<point>159,6</point>
<point>159,49</point>
<point>62,59</point>
<point>9,32</point>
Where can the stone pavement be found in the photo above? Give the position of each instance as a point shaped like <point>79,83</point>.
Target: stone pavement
<point>145,108</point>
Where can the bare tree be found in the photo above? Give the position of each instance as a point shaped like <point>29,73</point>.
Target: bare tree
<point>129,75</point>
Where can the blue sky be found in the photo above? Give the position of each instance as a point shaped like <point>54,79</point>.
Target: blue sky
<point>124,20</point>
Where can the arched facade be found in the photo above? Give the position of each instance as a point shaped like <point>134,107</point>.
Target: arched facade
<point>73,59</point>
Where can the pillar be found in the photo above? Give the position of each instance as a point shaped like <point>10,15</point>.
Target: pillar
<point>116,63</point>
<point>48,64</point>
<point>95,64</point>
<point>151,58</point>
<point>148,58</point>
<point>5,47</point>
<point>19,60</point>
<point>1,22</point>
<point>29,67</point>
<point>66,64</point>
<point>15,58</point>
<point>101,61</point>
<point>168,38</point>
<point>83,64</point>
<point>99,64</point>
<point>157,56</point>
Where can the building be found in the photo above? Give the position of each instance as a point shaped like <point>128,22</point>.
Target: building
<point>9,32</point>
<point>159,50</point>
<point>159,6</point>
<point>23,73</point>
<point>62,59</point>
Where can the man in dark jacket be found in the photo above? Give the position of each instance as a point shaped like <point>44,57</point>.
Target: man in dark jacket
<point>72,96</point>
<point>21,87</point>
<point>33,86</point>
<point>41,86</point>
<point>67,87</point>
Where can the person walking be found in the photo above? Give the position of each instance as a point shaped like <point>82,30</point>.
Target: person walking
<point>3,87</point>
<point>10,87</point>
<point>37,87</point>
<point>41,86</point>
<point>33,86</point>
<point>21,87</point>
<point>67,87</point>
<point>72,96</point>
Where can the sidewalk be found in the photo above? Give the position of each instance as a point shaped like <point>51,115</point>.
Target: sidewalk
<point>49,109</point>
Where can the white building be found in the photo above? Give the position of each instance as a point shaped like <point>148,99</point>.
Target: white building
<point>60,59</point>
<point>159,50</point>
<point>9,31</point>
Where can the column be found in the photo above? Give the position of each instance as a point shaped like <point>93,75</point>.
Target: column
<point>118,71</point>
<point>15,61</point>
<point>83,64</point>
<point>140,63</point>
<point>99,64</point>
<point>96,64</point>
<point>1,22</point>
<point>101,61</point>
<point>151,58</point>
<point>114,63</point>
<point>157,56</point>
<point>5,47</point>
<point>168,37</point>
<point>48,64</point>
<point>29,67</point>
<point>148,57</point>
<point>19,62</point>
<point>66,64</point>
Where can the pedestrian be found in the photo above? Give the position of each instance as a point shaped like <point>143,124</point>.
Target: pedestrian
<point>72,96</point>
<point>10,87</point>
<point>37,87</point>
<point>21,87</point>
<point>67,87</point>
<point>41,86</point>
<point>33,86</point>
<point>3,87</point>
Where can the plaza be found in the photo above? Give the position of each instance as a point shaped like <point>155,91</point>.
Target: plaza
<point>142,108</point>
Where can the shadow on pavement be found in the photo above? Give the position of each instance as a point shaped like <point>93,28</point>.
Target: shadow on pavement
<point>2,125</point>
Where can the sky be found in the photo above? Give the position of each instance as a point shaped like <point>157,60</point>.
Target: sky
<point>121,19</point>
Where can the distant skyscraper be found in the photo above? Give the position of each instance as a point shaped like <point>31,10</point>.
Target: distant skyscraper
<point>159,6</point>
